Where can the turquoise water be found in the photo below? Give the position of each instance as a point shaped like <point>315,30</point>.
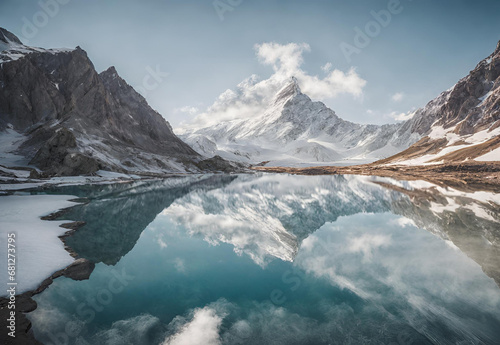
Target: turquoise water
<point>276,259</point>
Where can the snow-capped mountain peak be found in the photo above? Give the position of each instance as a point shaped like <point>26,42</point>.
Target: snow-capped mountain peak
<point>11,47</point>
<point>7,40</point>
<point>290,90</point>
<point>296,130</point>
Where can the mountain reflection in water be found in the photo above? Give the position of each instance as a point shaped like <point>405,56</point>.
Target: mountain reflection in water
<point>363,268</point>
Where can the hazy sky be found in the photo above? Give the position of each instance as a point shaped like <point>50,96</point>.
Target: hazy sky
<point>423,49</point>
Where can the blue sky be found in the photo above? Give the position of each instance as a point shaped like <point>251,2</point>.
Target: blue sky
<point>422,50</point>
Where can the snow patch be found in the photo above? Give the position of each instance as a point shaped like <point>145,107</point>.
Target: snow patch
<point>492,156</point>
<point>39,250</point>
<point>10,140</point>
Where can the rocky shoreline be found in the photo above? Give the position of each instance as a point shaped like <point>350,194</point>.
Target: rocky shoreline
<point>467,176</point>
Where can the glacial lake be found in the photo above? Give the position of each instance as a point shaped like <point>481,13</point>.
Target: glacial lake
<point>278,259</point>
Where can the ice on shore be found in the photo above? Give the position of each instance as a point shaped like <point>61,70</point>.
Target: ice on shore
<point>39,252</point>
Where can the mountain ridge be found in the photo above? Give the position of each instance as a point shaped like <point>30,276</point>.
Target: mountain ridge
<point>466,115</point>
<point>457,124</point>
<point>67,119</point>
<point>295,126</point>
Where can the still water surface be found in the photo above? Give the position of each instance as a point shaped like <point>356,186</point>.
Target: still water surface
<point>277,259</point>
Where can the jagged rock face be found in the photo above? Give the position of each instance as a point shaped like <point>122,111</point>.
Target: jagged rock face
<point>7,37</point>
<point>136,122</point>
<point>29,93</point>
<point>58,156</point>
<point>464,102</point>
<point>42,91</point>
<point>452,118</point>
<point>217,163</point>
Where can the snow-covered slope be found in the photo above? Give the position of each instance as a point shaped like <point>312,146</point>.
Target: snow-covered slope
<point>43,252</point>
<point>295,130</point>
<point>12,48</point>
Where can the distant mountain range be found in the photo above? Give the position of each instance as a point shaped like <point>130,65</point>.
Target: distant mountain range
<point>61,116</point>
<point>460,123</point>
<point>58,114</point>
<point>294,129</point>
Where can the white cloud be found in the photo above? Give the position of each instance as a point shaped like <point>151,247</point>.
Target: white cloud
<point>367,243</point>
<point>253,95</point>
<point>286,61</point>
<point>415,261</point>
<point>188,110</point>
<point>256,238</point>
<point>180,265</point>
<point>161,242</point>
<point>335,83</point>
<point>308,243</point>
<point>202,329</point>
<point>397,97</point>
<point>327,67</point>
<point>131,331</point>
<point>402,116</point>
<point>404,222</point>
<point>285,58</point>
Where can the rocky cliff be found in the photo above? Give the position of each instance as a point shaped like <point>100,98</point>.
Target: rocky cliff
<point>67,119</point>
<point>462,123</point>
